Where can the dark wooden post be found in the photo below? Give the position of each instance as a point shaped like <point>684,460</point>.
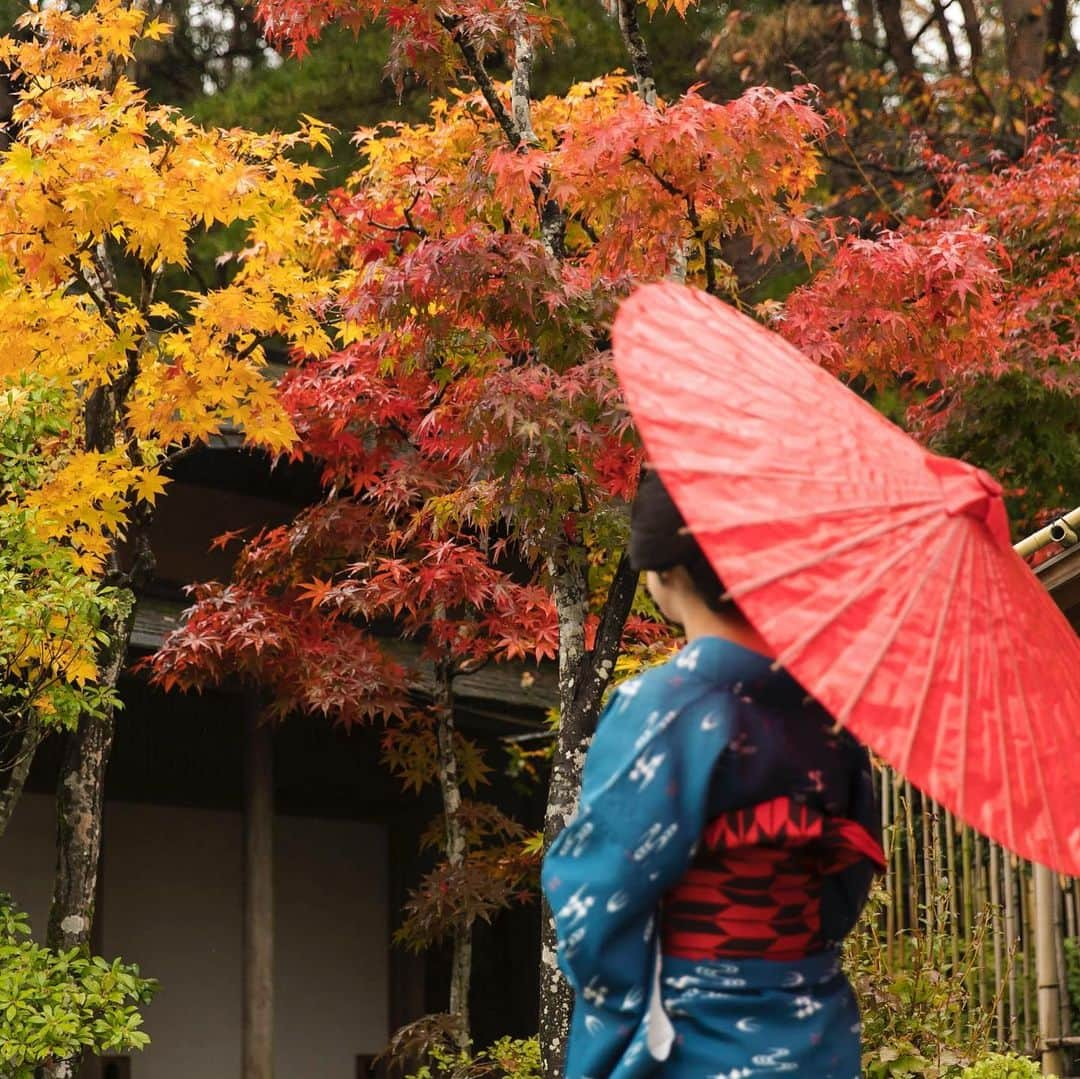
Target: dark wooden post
<point>258,897</point>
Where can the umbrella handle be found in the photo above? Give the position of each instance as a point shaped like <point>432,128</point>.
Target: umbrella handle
<point>1063,530</point>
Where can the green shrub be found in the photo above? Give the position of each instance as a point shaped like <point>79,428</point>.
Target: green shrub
<point>918,1019</point>
<point>1003,1066</point>
<point>56,1005</point>
<point>508,1058</point>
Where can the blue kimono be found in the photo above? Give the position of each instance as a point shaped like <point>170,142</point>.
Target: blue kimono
<point>723,847</point>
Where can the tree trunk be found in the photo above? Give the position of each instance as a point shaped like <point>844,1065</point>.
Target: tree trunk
<point>26,743</point>
<point>258,1038</point>
<point>1026,28</point>
<point>583,679</point>
<point>972,31</point>
<point>1060,47</point>
<point>866,18</point>
<point>455,846</point>
<point>79,805</point>
<point>897,41</point>
<point>556,999</point>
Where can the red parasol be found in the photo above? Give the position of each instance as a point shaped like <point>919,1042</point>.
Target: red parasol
<point>882,575</point>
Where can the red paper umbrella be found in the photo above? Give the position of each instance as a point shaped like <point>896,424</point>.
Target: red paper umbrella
<point>882,575</point>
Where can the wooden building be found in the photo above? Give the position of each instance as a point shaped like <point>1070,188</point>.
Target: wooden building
<point>259,876</point>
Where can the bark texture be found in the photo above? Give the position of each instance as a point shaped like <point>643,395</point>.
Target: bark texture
<point>896,39</point>
<point>583,678</point>
<point>454,848</point>
<point>1026,34</point>
<point>637,50</point>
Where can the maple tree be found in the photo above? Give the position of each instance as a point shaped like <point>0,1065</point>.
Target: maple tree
<point>479,257</point>
<point>51,610</point>
<point>101,194</point>
<point>944,308</point>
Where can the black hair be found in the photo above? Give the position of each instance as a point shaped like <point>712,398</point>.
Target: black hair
<point>660,540</point>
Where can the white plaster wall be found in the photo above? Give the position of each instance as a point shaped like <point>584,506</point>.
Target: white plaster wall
<point>28,858</point>
<point>173,904</point>
<point>331,975</point>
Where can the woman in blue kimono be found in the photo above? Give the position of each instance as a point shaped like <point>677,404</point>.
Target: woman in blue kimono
<point>723,847</point>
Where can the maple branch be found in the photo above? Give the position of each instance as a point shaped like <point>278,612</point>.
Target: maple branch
<point>637,50</point>
<point>452,24</point>
<point>692,215</point>
<point>596,667</point>
<point>99,300</point>
<point>937,13</point>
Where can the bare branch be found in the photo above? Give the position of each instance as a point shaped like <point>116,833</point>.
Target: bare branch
<point>452,24</point>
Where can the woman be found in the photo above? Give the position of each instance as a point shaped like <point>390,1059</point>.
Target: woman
<point>724,845</point>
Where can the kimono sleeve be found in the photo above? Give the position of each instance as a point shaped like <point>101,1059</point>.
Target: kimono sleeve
<point>604,876</point>
<point>844,894</point>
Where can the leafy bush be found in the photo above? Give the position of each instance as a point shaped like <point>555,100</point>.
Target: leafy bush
<point>918,1020</point>
<point>508,1058</point>
<point>429,1048</point>
<point>1003,1066</point>
<point>56,1005</point>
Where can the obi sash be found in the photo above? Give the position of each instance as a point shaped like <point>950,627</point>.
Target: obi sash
<point>754,887</point>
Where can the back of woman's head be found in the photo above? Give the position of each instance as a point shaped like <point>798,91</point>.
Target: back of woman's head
<point>660,540</point>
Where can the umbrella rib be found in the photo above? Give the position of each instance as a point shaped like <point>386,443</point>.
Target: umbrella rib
<point>931,664</point>
<point>1040,776</point>
<point>887,643</point>
<point>796,646</point>
<point>857,539</point>
<point>738,466</point>
<point>1006,775</point>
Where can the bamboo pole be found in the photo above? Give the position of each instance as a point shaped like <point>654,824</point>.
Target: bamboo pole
<point>1059,953</point>
<point>968,873</point>
<point>1027,927</point>
<point>912,859</point>
<point>1011,945</point>
<point>1052,533</point>
<point>1046,968</point>
<point>890,839</point>
<point>981,903</point>
<point>995,914</point>
<point>898,876</point>
<point>953,891</point>
<point>929,917</point>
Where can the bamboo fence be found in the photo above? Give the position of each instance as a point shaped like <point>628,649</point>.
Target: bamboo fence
<point>1008,928</point>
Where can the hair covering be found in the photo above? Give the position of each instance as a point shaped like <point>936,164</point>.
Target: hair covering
<point>659,538</point>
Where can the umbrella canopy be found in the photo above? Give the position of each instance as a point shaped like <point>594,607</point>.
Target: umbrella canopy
<point>881,574</point>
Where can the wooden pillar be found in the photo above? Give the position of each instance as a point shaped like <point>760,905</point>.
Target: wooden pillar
<point>1047,923</point>
<point>258,897</point>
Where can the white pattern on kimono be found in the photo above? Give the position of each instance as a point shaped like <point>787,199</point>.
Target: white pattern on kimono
<point>577,907</point>
<point>595,994</point>
<point>645,769</point>
<point>774,1061</point>
<point>654,838</point>
<point>617,901</point>
<point>806,1007</point>
<point>578,842</point>
<point>687,661</point>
